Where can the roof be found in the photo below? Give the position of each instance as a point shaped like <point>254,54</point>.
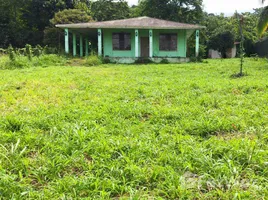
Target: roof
<point>139,22</point>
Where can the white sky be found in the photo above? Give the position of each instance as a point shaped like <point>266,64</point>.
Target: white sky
<point>225,6</point>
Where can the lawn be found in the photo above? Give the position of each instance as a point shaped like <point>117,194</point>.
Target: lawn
<point>175,131</point>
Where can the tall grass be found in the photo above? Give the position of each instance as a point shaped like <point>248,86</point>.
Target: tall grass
<point>186,131</point>
<point>26,62</point>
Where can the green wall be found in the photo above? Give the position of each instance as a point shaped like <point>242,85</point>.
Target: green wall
<point>182,43</point>
<point>108,47</point>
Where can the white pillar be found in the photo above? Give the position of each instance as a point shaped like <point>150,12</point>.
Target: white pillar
<point>81,46</point>
<point>66,32</point>
<point>151,47</point>
<point>86,53</point>
<point>197,43</point>
<point>99,42</point>
<point>136,43</point>
<point>74,44</point>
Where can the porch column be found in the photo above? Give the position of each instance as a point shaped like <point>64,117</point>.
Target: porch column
<point>99,42</point>
<point>197,43</point>
<point>81,46</point>
<point>66,33</point>
<point>136,43</point>
<point>151,43</point>
<point>86,46</point>
<point>74,44</point>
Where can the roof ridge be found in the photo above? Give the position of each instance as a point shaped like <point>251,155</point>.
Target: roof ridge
<point>135,22</point>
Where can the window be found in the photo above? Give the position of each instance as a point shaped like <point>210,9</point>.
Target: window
<point>168,42</point>
<point>121,41</point>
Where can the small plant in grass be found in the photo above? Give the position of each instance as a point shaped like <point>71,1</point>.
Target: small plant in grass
<point>38,51</point>
<point>12,124</point>
<point>11,53</point>
<point>28,52</point>
<point>242,49</point>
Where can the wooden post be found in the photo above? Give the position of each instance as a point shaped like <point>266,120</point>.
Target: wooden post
<point>136,43</point>
<point>151,43</point>
<point>197,43</point>
<point>86,46</point>
<point>81,46</point>
<point>99,42</point>
<point>66,32</point>
<point>74,44</point>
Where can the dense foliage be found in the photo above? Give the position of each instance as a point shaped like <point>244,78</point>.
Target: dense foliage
<point>29,21</point>
<point>104,10</point>
<point>188,11</point>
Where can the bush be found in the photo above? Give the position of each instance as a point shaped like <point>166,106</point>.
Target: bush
<point>164,61</point>
<point>23,62</point>
<point>49,60</point>
<point>11,53</point>
<point>106,60</point>
<point>2,51</point>
<point>143,61</point>
<point>37,51</point>
<point>196,59</point>
<point>18,63</point>
<point>93,60</point>
<point>29,52</point>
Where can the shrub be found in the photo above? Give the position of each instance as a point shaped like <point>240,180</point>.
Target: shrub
<point>50,60</point>
<point>93,60</point>
<point>196,59</point>
<point>18,63</point>
<point>164,61</point>
<point>2,51</point>
<point>106,60</point>
<point>23,61</point>
<point>38,51</point>
<point>11,53</point>
<point>50,50</point>
<point>28,48</point>
<point>143,61</point>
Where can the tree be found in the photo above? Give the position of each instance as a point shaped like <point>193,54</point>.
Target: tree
<point>23,21</point>
<point>103,10</point>
<point>188,11</point>
<point>70,16</point>
<point>52,35</point>
<point>263,20</point>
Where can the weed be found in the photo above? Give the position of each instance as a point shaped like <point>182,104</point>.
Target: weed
<point>93,60</point>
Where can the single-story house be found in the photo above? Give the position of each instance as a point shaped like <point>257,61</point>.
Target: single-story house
<point>126,40</point>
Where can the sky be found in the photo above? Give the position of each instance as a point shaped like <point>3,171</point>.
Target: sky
<point>227,7</point>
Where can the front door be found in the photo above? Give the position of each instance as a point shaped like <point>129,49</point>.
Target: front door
<point>145,47</point>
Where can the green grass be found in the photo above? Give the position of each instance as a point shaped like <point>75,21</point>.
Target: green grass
<point>181,131</point>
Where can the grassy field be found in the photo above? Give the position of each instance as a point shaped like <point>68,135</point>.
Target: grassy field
<point>183,131</point>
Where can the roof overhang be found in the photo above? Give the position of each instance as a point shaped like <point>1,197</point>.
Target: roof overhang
<point>134,23</point>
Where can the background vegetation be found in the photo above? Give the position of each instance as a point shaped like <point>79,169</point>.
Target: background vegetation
<point>33,22</point>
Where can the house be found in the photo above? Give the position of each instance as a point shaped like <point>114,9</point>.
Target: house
<point>126,40</point>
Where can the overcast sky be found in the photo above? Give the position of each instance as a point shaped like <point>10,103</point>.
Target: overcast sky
<point>225,6</point>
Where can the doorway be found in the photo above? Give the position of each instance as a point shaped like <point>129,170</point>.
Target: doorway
<point>144,47</point>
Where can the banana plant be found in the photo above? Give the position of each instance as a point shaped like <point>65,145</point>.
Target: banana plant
<point>263,20</point>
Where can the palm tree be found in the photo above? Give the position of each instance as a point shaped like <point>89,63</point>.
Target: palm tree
<point>263,21</point>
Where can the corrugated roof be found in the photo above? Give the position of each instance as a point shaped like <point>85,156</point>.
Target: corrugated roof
<point>139,23</point>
